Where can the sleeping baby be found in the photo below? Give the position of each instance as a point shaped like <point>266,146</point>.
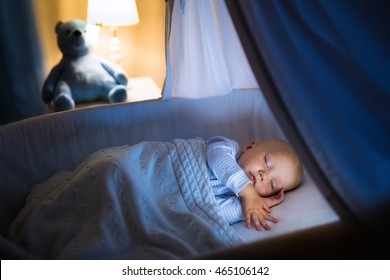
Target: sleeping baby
<point>247,183</point>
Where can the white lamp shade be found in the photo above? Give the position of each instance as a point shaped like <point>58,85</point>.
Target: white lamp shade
<point>112,12</point>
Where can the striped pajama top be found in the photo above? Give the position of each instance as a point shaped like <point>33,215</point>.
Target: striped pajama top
<point>227,178</point>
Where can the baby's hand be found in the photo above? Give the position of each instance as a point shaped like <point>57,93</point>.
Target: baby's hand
<point>255,209</point>
<point>274,199</point>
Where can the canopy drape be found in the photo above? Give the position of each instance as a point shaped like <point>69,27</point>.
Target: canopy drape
<point>21,67</point>
<point>323,67</point>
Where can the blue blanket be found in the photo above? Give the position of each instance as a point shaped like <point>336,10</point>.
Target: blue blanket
<point>147,201</point>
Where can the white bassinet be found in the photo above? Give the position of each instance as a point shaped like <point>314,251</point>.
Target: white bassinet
<point>33,150</point>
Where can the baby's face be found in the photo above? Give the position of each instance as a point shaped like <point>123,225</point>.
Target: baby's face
<point>269,167</point>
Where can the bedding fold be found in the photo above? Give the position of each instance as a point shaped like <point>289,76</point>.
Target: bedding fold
<point>151,200</point>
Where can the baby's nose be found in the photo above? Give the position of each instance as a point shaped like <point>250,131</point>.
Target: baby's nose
<point>262,175</point>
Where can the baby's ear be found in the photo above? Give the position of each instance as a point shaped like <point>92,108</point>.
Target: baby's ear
<point>249,146</point>
<point>274,199</point>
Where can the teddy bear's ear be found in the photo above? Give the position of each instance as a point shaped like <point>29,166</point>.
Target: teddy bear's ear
<point>58,25</point>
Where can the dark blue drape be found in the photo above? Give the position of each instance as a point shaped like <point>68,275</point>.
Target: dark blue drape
<point>324,68</point>
<point>21,64</point>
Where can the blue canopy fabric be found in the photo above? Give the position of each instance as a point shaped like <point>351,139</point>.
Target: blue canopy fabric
<point>324,69</point>
<point>21,63</point>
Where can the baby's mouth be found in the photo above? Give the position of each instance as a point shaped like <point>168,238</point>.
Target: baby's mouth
<point>252,178</point>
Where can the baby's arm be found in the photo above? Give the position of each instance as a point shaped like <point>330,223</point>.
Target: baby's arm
<point>221,159</point>
<point>255,209</point>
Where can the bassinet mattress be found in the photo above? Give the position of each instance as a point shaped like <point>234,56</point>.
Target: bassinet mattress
<point>302,209</point>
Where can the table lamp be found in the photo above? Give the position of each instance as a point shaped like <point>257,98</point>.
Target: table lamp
<point>113,13</point>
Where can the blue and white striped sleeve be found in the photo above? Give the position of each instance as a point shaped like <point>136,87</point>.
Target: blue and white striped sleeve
<point>230,208</point>
<point>221,158</point>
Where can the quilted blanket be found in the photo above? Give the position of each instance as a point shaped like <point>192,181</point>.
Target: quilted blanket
<point>147,201</point>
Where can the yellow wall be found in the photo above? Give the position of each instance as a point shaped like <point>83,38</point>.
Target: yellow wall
<point>143,51</point>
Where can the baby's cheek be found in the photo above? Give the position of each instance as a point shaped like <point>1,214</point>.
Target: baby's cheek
<point>260,188</point>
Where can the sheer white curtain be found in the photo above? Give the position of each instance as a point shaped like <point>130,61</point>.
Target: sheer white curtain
<point>205,56</point>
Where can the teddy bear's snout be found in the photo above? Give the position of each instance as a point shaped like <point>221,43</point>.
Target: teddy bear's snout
<point>77,38</point>
<point>76,33</point>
